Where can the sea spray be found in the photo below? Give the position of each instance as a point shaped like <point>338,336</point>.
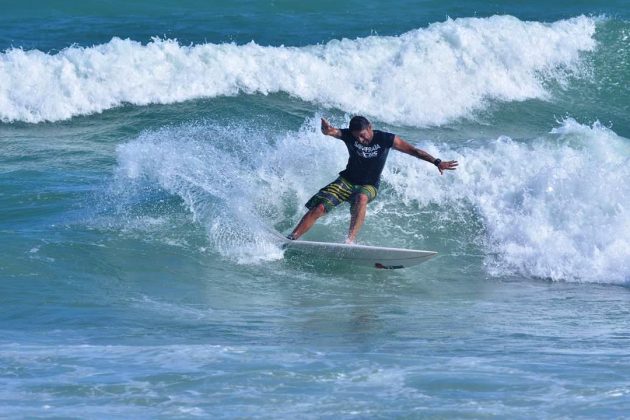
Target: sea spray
<point>212,170</point>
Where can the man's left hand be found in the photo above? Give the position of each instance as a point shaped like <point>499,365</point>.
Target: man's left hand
<point>449,165</point>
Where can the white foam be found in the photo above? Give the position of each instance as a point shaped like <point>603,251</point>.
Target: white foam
<point>425,76</point>
<point>553,208</point>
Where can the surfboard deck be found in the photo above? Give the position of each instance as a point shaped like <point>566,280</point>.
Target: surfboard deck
<point>364,255</point>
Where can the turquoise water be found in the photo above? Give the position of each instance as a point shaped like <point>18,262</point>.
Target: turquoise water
<point>147,148</point>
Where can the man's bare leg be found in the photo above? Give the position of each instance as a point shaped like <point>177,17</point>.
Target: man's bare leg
<point>308,220</point>
<point>357,217</point>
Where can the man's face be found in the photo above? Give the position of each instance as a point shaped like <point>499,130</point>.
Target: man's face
<point>364,136</point>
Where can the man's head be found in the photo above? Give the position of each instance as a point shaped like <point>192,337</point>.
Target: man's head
<point>361,129</point>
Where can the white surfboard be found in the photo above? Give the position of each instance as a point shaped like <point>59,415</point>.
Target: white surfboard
<point>365,255</point>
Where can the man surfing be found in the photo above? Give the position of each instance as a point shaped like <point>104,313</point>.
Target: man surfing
<point>359,182</point>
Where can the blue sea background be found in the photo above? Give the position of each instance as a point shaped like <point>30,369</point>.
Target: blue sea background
<point>147,149</point>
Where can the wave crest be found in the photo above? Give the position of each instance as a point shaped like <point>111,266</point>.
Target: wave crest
<point>424,77</point>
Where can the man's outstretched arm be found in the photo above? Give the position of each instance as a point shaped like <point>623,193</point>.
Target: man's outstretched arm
<point>403,146</point>
<point>329,130</point>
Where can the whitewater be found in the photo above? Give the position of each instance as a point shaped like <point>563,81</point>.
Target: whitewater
<point>426,76</point>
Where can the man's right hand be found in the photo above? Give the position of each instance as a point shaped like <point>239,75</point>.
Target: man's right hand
<point>329,130</point>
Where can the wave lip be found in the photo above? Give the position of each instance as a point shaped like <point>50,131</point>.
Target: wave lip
<point>423,77</point>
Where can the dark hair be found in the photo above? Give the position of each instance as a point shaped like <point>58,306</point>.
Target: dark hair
<point>358,123</point>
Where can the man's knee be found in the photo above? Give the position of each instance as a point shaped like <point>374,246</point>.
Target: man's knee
<point>361,199</point>
<point>319,210</point>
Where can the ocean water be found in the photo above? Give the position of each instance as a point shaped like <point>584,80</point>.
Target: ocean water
<point>147,148</point>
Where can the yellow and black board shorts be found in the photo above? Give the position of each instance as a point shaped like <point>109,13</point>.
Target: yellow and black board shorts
<point>338,191</point>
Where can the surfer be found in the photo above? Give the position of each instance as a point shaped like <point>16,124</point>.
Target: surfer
<point>359,182</point>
